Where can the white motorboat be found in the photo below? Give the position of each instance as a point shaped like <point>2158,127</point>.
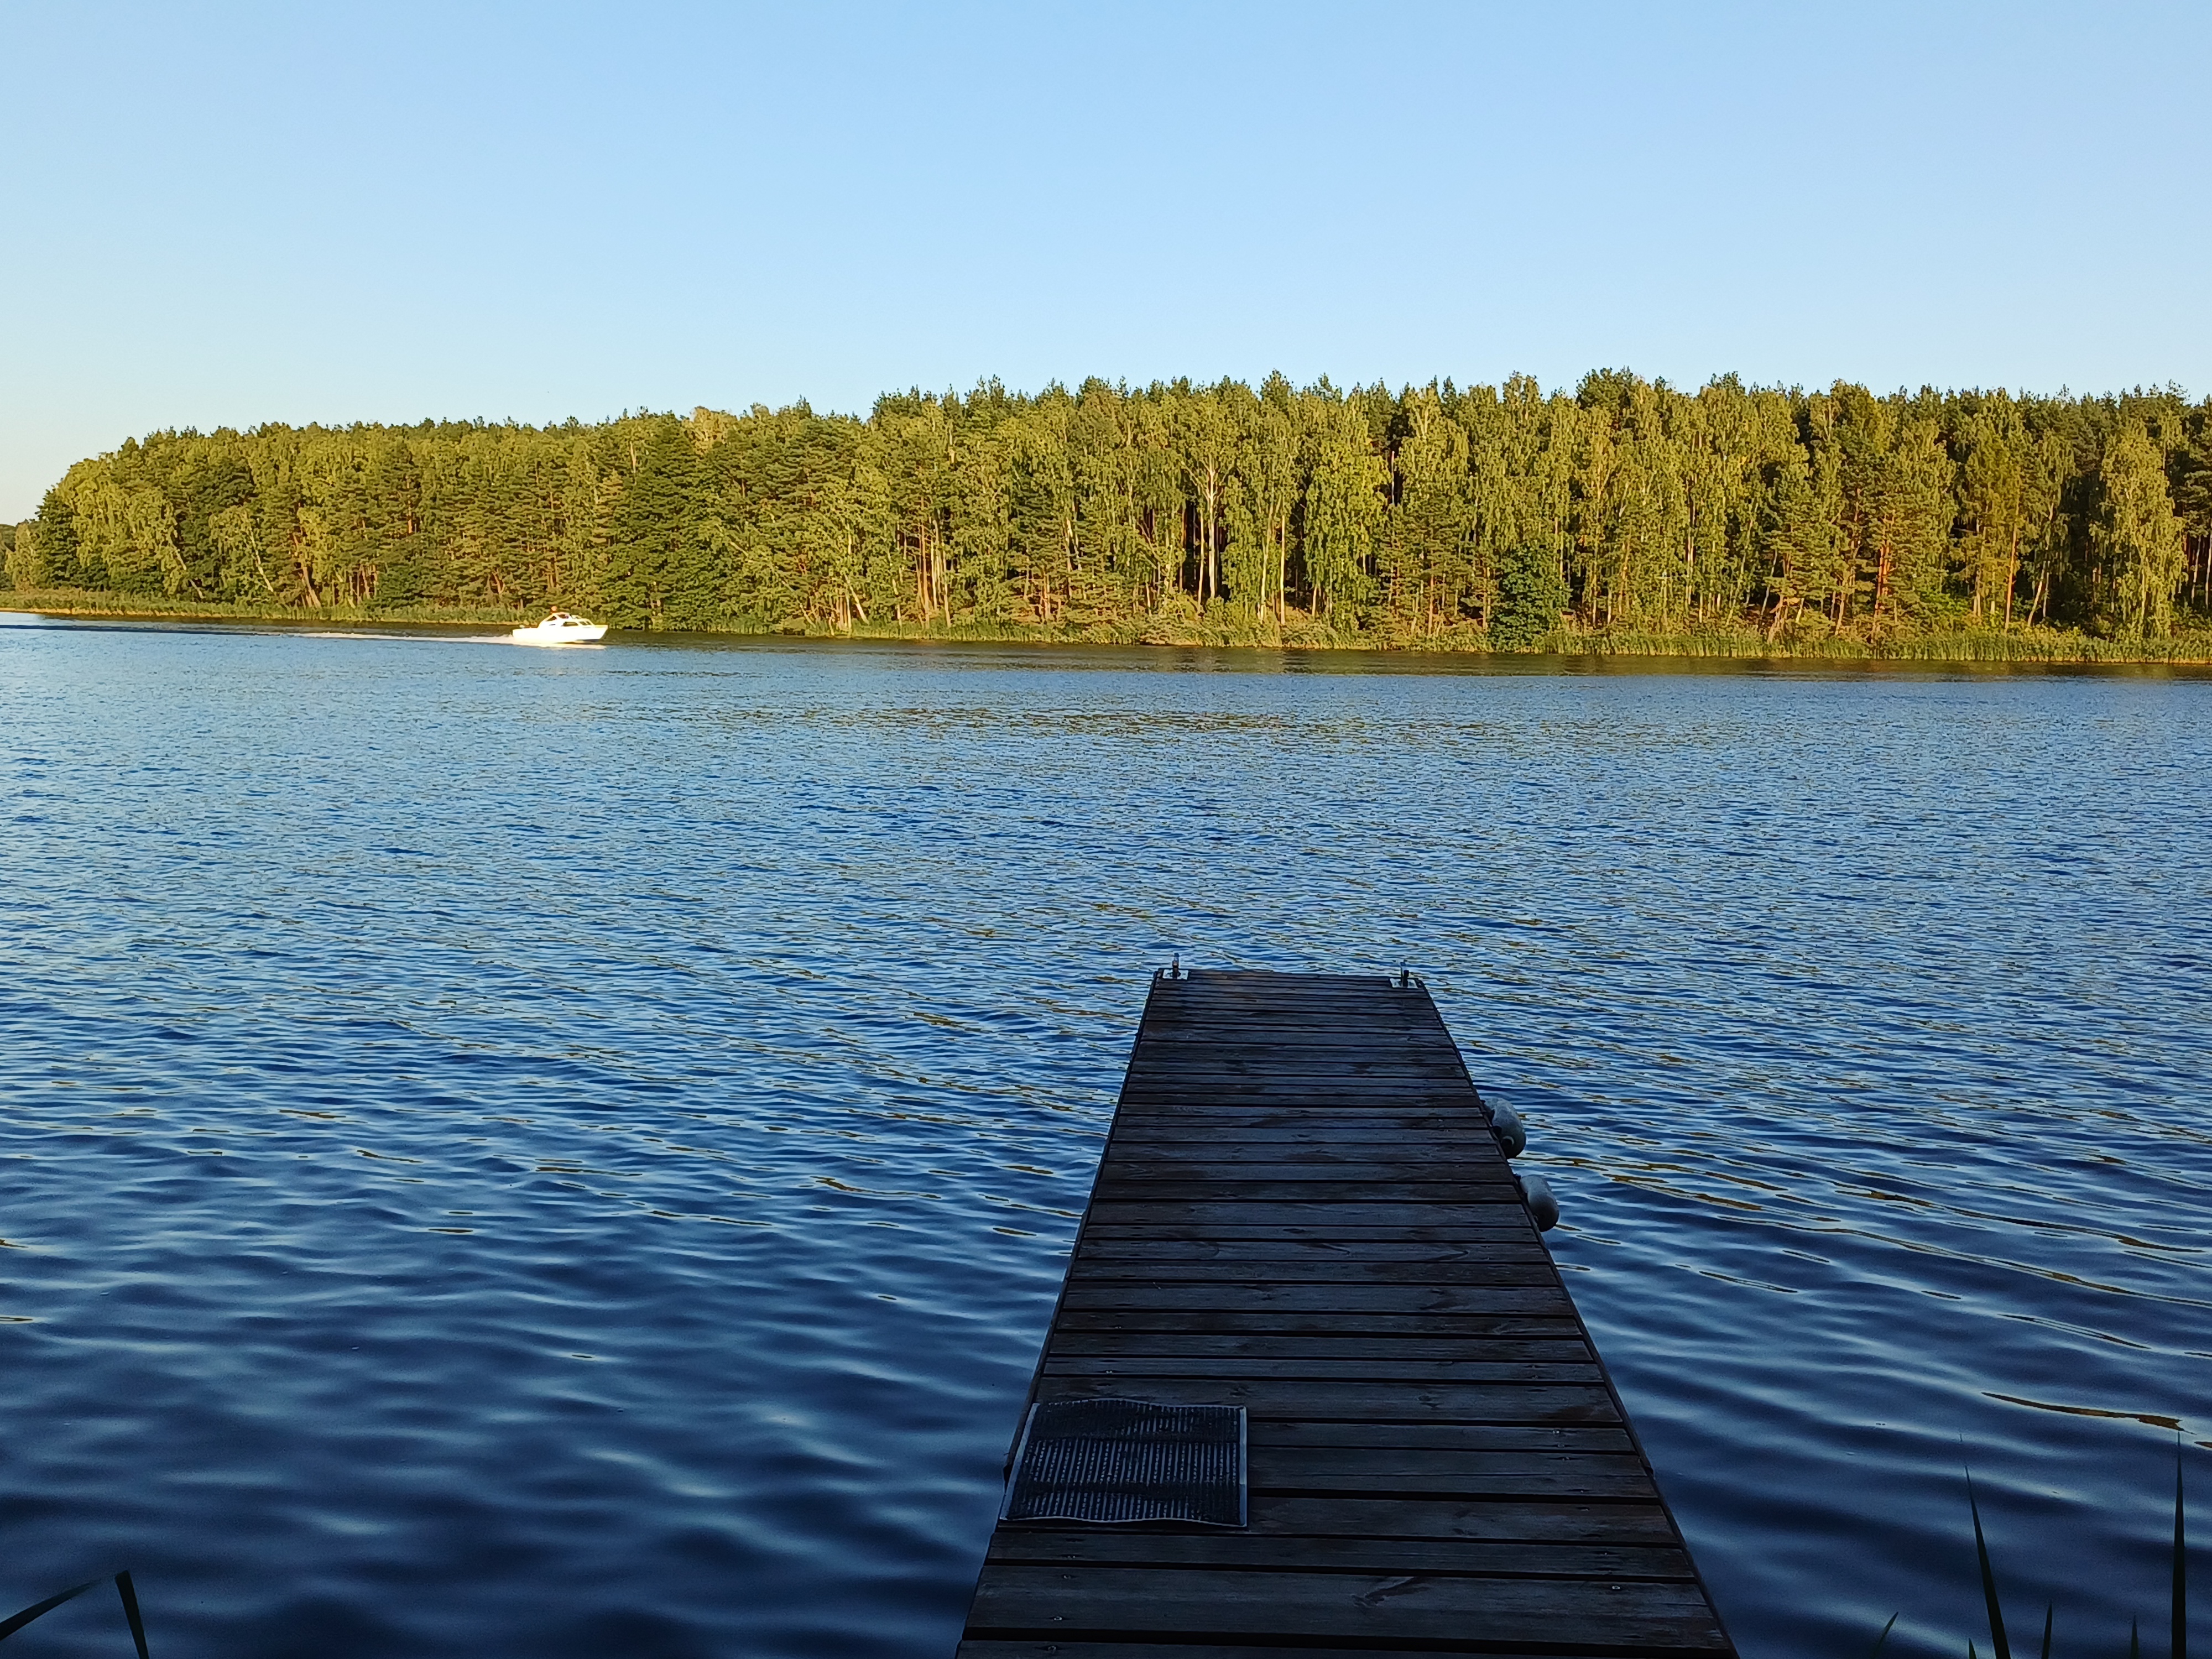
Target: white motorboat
<point>561,629</point>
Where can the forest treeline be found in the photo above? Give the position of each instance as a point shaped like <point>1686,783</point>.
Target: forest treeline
<point>1500,516</point>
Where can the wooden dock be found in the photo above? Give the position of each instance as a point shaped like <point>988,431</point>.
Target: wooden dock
<point>1302,1211</point>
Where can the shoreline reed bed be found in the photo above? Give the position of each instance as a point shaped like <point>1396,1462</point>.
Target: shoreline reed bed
<point>1187,627</point>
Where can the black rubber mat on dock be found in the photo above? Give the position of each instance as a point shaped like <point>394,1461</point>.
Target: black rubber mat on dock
<point>1120,1462</point>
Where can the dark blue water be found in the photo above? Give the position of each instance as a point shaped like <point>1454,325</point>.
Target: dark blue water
<point>571,1153</point>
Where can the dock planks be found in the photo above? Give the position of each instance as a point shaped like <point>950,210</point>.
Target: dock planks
<point>1301,1210</point>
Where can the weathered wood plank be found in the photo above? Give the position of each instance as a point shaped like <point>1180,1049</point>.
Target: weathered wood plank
<point>1185,1367</point>
<point>1290,1322</point>
<point>1229,1213</point>
<point>1184,1086</point>
<point>1238,1147</point>
<point>1195,1140</point>
<point>1328,1037</point>
<point>1220,1002</point>
<point>1310,1271</point>
<point>1201,1163</point>
<point>1229,1127</point>
<point>1471,1227</point>
<point>1201,1067</point>
<point>1115,1189</point>
<point>1441,1436</point>
<point>1293,1525</point>
<point>1057,1647</point>
<point>1409,1254</point>
<point>1405,1473</point>
<point>1315,1298</point>
<point>1051,1546</point>
<point>1328,1119</point>
<point>1611,1562</point>
<point>1214,1344</point>
<point>1388,1044</point>
<point>1291,1094</point>
<point>1503,1521</point>
<point>1463,1402</point>
<point>1665,1616</point>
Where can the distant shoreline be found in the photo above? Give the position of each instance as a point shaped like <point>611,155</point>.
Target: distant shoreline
<point>1963,646</point>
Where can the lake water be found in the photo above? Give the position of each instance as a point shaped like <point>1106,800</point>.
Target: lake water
<point>572,1153</point>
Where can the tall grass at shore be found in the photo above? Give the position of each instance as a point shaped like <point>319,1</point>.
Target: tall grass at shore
<point>154,607</point>
<point>1188,626</point>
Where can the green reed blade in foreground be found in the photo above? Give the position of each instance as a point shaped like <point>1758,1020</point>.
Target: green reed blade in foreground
<point>2001,1644</point>
<point>1998,1645</point>
<point>2180,1564</point>
<point>9,1626</point>
<point>123,1589</point>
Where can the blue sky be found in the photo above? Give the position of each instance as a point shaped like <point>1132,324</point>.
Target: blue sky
<point>219,215</point>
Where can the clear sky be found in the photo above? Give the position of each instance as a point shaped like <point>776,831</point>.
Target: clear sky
<point>223,215</point>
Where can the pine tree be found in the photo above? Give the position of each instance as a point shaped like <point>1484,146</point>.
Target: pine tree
<point>2139,535</point>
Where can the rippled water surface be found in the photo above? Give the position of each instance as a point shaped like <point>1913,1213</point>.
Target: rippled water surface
<point>572,1153</point>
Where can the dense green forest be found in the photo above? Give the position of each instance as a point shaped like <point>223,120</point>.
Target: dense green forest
<point>1498,516</point>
